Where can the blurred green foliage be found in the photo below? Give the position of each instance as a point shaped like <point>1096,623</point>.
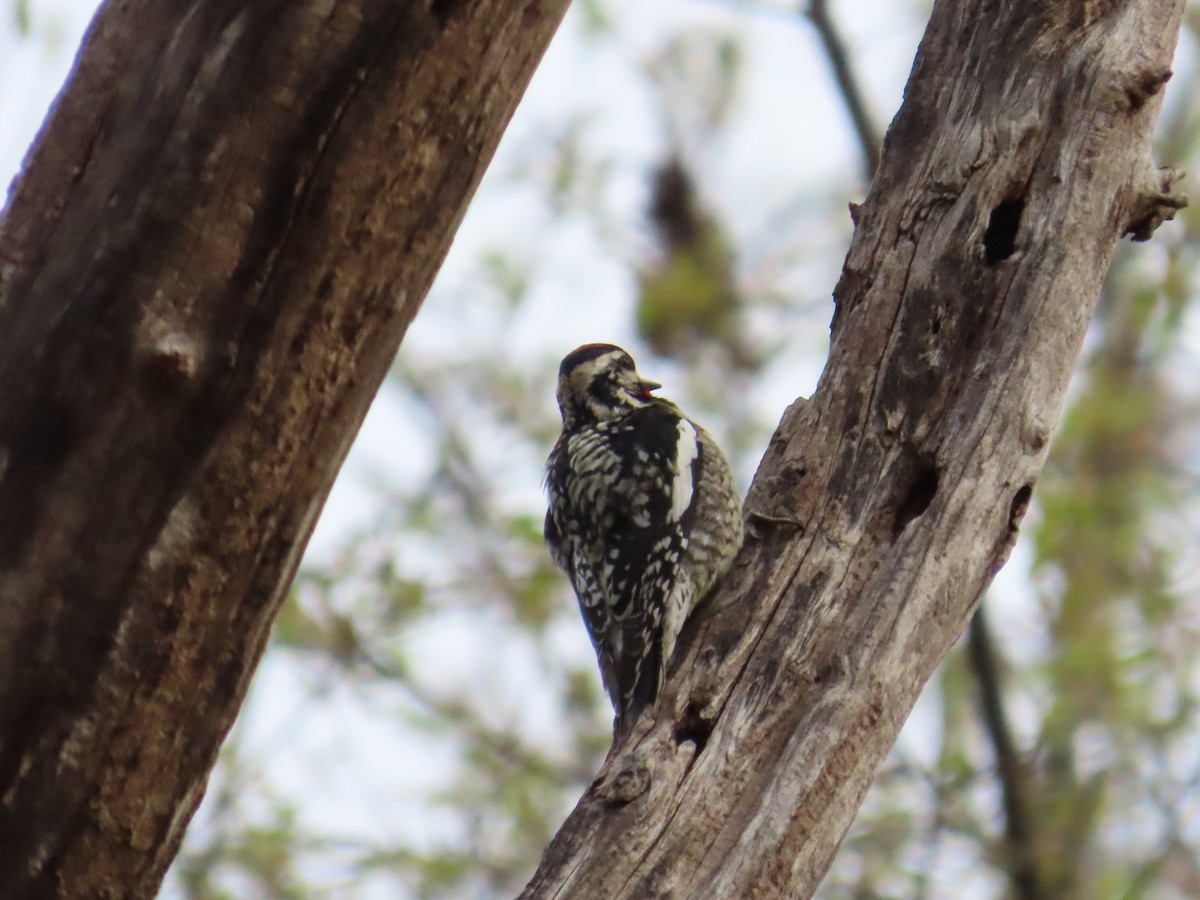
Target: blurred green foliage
<point>688,295</point>
<point>20,12</point>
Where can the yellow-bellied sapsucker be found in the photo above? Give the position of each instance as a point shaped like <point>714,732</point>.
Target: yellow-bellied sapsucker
<point>643,517</point>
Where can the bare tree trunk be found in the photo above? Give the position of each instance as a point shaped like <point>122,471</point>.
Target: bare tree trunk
<point>886,503</point>
<point>206,267</point>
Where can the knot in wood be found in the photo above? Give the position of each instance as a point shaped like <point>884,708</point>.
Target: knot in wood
<point>630,781</point>
<point>1155,202</point>
<point>1035,433</point>
<point>1141,86</point>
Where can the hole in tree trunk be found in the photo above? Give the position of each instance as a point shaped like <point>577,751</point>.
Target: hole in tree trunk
<point>1020,506</point>
<point>693,727</point>
<point>1000,239</point>
<point>444,10</point>
<point>922,489</point>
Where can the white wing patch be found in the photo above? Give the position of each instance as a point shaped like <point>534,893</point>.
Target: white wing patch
<point>687,448</point>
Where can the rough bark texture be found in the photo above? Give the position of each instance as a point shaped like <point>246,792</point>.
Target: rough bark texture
<point>206,267</point>
<point>1020,156</point>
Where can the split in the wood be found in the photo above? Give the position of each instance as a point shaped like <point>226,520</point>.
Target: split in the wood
<point>754,519</point>
<point>770,495</point>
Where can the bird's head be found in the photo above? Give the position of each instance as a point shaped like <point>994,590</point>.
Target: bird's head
<point>598,382</point>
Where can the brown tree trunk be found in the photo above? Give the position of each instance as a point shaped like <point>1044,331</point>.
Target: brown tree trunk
<point>886,503</point>
<point>230,218</point>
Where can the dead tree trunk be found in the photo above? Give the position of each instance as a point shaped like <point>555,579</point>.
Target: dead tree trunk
<point>1019,157</point>
<point>206,268</point>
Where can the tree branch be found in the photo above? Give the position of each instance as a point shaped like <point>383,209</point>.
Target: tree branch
<point>1019,157</point>
<point>847,83</point>
<point>217,244</point>
<point>1019,829</point>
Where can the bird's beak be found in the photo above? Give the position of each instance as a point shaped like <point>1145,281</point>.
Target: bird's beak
<point>648,387</point>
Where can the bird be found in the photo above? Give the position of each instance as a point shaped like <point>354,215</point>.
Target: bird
<point>643,516</point>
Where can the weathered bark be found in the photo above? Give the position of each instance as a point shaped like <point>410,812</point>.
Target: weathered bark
<point>1019,157</point>
<point>206,267</point>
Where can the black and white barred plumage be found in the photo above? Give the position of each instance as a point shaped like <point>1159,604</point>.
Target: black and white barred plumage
<point>643,517</point>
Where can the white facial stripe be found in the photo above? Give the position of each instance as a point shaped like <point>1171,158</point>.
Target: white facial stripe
<point>686,451</point>
<point>586,373</point>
